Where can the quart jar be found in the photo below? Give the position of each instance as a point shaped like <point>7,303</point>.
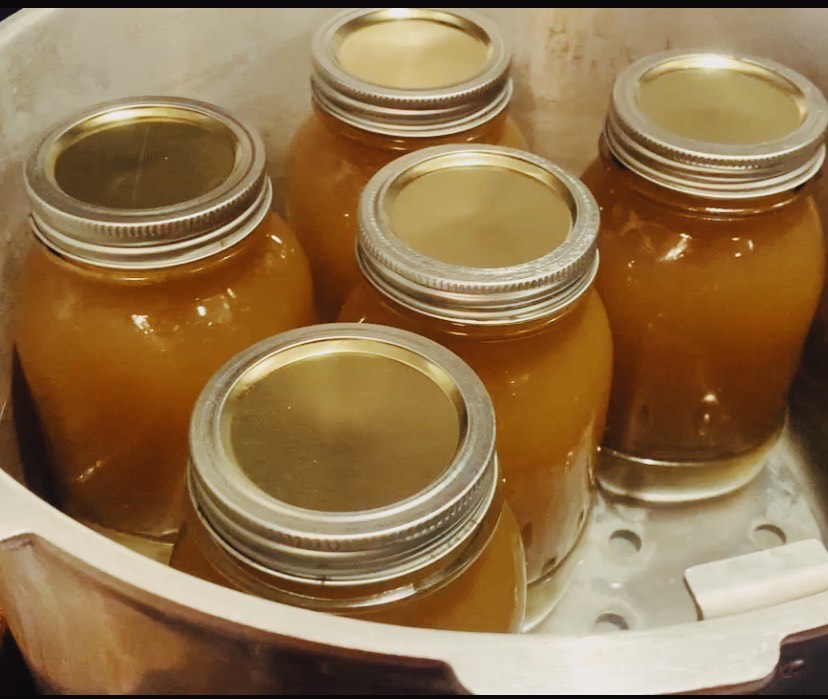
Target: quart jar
<point>491,252</point>
<point>351,469</point>
<point>157,258</point>
<point>712,261</point>
<point>386,81</point>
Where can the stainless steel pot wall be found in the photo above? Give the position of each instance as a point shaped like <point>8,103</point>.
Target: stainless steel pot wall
<point>91,616</point>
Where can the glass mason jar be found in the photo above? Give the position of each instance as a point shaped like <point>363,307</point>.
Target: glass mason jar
<point>292,497</point>
<point>491,252</point>
<point>712,261</point>
<point>157,258</point>
<point>386,82</point>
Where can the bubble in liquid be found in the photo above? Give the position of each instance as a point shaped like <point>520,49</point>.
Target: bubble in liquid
<point>705,415</point>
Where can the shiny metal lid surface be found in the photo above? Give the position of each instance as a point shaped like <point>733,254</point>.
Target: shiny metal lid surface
<point>483,235</point>
<point>343,453</point>
<point>147,182</point>
<point>719,125</point>
<point>411,71</point>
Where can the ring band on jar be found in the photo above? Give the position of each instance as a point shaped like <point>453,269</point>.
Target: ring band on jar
<point>118,186</point>
<point>411,71</point>
<point>491,251</point>
<point>712,263</point>
<point>386,81</point>
<point>158,259</point>
<point>351,469</point>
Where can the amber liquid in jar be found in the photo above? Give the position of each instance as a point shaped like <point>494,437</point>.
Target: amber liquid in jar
<point>294,439</point>
<point>712,262</point>
<point>335,152</point>
<point>115,361</point>
<point>489,595</point>
<point>115,353</point>
<point>709,304</point>
<point>549,382</point>
<point>490,252</point>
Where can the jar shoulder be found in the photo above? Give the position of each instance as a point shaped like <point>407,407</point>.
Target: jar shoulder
<point>629,204</point>
<point>581,336</point>
<point>76,300</point>
<point>322,149</point>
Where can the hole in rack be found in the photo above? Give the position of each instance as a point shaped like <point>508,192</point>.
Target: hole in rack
<point>610,621</point>
<point>623,542</point>
<point>767,536</point>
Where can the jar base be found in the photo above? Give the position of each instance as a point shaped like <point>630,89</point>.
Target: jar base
<point>543,594</point>
<point>668,482</point>
<point>157,549</point>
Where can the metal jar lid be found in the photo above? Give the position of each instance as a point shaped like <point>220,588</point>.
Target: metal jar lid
<point>410,71</point>
<point>483,235</point>
<point>343,454</point>
<point>147,182</point>
<point>719,125</point>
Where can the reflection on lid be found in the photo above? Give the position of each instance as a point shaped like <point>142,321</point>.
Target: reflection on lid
<point>729,103</point>
<point>144,158</point>
<point>481,216</point>
<point>412,54</point>
<point>343,430</point>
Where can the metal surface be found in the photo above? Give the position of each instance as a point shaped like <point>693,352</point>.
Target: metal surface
<point>717,125</point>
<point>115,186</point>
<point>467,292</point>
<point>629,567</point>
<point>498,216</point>
<point>436,54</point>
<point>296,530</point>
<point>411,71</point>
<point>90,615</point>
<point>347,407</point>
